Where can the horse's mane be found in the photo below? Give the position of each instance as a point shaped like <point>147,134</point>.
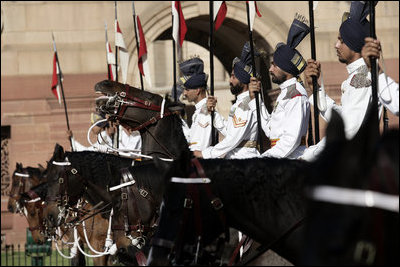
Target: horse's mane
<point>145,177</point>
<point>34,172</point>
<point>40,190</point>
<point>95,165</point>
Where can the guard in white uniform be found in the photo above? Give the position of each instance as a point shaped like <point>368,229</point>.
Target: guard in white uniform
<point>286,126</point>
<point>241,130</point>
<point>194,83</point>
<point>356,89</point>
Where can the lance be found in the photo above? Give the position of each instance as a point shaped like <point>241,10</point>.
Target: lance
<point>108,67</point>
<point>374,69</point>
<point>174,63</point>
<point>115,136</point>
<point>211,10</point>
<point>259,129</point>
<point>314,78</point>
<point>62,88</point>
<point>116,47</point>
<point>137,41</point>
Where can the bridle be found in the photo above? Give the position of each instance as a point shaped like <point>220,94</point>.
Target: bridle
<point>122,100</point>
<point>21,189</point>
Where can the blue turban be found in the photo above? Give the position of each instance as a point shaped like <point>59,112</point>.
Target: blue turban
<point>193,73</point>
<point>243,67</point>
<point>286,56</point>
<point>354,29</point>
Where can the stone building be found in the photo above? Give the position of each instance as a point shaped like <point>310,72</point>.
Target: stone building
<point>33,121</point>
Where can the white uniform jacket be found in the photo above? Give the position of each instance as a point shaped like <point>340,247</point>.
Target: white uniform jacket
<point>356,95</point>
<point>200,132</point>
<point>287,125</point>
<point>241,133</point>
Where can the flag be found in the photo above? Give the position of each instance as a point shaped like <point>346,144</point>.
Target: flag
<point>142,57</point>
<point>110,61</point>
<point>55,84</point>
<point>123,52</point>
<point>179,28</point>
<point>110,58</point>
<point>253,10</point>
<point>219,13</point>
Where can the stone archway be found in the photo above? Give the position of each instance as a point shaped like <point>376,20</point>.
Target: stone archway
<point>229,39</point>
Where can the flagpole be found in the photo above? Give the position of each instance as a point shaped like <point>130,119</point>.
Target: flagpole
<point>62,89</point>
<point>137,41</point>
<point>259,129</point>
<point>116,47</point>
<point>108,67</point>
<point>372,59</point>
<point>174,63</point>
<point>211,8</point>
<point>314,78</point>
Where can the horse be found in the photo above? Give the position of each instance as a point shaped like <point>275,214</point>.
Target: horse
<point>266,199</point>
<point>23,179</point>
<point>353,200</point>
<point>94,237</point>
<point>261,197</point>
<point>91,174</point>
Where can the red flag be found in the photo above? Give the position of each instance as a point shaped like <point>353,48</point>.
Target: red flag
<point>179,28</point>
<point>142,57</point>
<point>55,84</point>
<point>220,10</point>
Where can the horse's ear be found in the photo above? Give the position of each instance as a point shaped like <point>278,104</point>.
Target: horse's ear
<point>335,128</point>
<point>58,152</point>
<point>41,168</point>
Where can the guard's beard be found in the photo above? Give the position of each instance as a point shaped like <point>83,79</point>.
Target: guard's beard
<point>235,90</point>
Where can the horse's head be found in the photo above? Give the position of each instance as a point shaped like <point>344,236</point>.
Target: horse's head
<point>346,225</point>
<point>23,180</point>
<point>64,189</point>
<point>34,207</point>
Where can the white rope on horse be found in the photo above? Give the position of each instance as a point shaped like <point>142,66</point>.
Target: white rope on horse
<point>121,152</point>
<point>356,197</point>
<point>21,174</point>
<point>108,242</point>
<point>79,247</point>
<point>73,249</point>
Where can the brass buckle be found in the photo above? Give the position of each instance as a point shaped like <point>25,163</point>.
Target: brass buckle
<point>124,196</point>
<point>188,203</point>
<point>147,103</point>
<point>153,120</point>
<point>74,171</point>
<point>217,203</point>
<point>60,180</point>
<point>122,94</point>
<point>143,192</point>
<point>65,199</point>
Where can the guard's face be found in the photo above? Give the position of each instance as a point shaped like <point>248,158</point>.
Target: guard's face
<point>344,53</point>
<point>277,74</point>
<point>236,85</point>
<point>191,94</point>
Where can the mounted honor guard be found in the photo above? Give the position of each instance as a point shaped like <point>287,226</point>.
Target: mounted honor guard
<point>356,89</point>
<point>286,126</point>
<point>194,83</point>
<point>241,127</point>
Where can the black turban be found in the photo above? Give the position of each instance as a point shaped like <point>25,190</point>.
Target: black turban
<point>193,73</point>
<point>243,67</point>
<point>354,29</point>
<point>286,56</point>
